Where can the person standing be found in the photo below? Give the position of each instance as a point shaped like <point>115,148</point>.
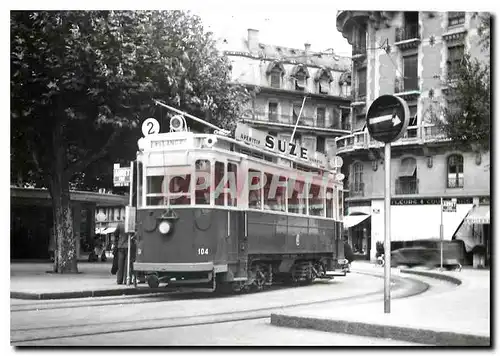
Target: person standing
<point>121,239</point>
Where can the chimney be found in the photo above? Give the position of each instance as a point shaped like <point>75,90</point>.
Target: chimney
<point>307,49</point>
<point>253,40</point>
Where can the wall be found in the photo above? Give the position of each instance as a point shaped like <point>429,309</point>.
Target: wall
<point>432,181</point>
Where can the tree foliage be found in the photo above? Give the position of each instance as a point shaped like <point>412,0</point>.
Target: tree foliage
<point>465,119</point>
<point>81,83</point>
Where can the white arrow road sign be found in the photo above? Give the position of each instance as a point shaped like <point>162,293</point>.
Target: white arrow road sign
<point>395,119</point>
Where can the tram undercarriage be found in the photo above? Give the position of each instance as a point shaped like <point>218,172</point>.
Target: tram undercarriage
<point>262,273</point>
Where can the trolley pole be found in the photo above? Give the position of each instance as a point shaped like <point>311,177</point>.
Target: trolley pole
<point>441,235</point>
<point>387,239</point>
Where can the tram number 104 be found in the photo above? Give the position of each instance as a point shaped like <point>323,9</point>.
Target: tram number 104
<point>203,251</point>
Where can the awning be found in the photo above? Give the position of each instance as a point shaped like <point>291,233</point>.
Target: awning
<point>407,168</point>
<point>478,215</point>
<point>109,230</point>
<point>353,220</point>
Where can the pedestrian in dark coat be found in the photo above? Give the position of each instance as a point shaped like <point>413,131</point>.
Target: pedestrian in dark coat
<point>122,246</point>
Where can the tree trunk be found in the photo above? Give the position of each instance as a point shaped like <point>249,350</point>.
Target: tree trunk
<point>65,255</point>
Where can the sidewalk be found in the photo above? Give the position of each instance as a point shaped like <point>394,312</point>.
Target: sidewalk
<point>35,281</point>
<point>459,316</point>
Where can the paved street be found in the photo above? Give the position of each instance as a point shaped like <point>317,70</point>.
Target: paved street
<point>226,320</point>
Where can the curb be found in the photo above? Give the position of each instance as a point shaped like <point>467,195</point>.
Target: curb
<point>435,275</point>
<point>415,335</point>
<point>86,294</point>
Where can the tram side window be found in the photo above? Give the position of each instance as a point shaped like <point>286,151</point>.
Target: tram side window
<point>274,192</point>
<point>202,192</point>
<point>296,197</point>
<point>219,183</point>
<point>316,201</point>
<point>232,171</point>
<point>329,203</point>
<point>254,189</point>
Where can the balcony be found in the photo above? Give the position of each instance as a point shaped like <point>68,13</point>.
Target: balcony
<point>288,121</point>
<point>358,51</point>
<point>420,134</point>
<point>407,88</point>
<point>406,186</point>
<point>456,182</point>
<point>408,36</point>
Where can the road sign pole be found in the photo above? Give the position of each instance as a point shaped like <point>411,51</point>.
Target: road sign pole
<point>441,235</point>
<point>387,240</point>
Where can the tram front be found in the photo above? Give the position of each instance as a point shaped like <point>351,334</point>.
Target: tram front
<point>179,229</point>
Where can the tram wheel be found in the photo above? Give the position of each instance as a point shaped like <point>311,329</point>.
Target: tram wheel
<point>153,281</point>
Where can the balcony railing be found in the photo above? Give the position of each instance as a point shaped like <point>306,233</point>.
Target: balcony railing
<point>358,49</point>
<point>406,84</point>
<point>291,120</point>
<point>456,182</point>
<point>419,134</point>
<point>357,191</point>
<point>408,32</point>
<point>407,186</point>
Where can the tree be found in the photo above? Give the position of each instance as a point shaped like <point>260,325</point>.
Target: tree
<point>81,80</point>
<point>465,118</point>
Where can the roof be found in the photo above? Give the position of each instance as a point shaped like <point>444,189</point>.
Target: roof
<point>78,196</point>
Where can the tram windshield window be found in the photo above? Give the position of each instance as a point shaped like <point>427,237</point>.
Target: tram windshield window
<point>219,183</point>
<point>316,201</point>
<point>202,192</point>
<point>254,189</point>
<point>169,189</point>
<point>329,202</point>
<point>297,199</point>
<point>275,192</point>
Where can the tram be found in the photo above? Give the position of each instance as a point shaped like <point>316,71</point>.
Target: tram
<point>216,212</point>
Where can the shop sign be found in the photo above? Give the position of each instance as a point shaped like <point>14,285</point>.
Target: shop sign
<point>121,176</point>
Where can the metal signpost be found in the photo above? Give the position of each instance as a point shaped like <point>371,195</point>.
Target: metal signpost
<point>387,120</point>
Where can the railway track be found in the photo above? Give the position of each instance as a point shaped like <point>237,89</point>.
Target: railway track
<point>401,288</point>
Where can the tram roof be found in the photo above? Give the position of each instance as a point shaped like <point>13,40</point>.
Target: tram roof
<point>158,142</point>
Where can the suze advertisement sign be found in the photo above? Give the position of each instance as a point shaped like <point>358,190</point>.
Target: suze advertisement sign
<point>263,140</point>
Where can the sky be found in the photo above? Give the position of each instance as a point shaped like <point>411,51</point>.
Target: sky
<point>291,28</point>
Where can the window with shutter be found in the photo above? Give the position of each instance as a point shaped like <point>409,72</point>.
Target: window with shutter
<point>455,56</point>
<point>300,82</point>
<point>361,83</point>
<point>320,144</point>
<point>276,79</point>
<point>410,72</point>
<point>324,86</point>
<point>456,18</point>
<point>320,117</point>
<point>273,111</point>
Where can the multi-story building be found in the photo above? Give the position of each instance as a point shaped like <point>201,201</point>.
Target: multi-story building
<point>409,54</point>
<point>279,78</point>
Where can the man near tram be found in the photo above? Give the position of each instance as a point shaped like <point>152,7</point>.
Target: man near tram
<point>121,241</point>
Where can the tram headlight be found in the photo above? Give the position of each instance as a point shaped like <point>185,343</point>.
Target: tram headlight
<point>165,227</point>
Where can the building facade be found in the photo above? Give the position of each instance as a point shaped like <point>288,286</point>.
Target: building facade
<point>409,54</point>
<point>279,78</point>
<point>32,220</point>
